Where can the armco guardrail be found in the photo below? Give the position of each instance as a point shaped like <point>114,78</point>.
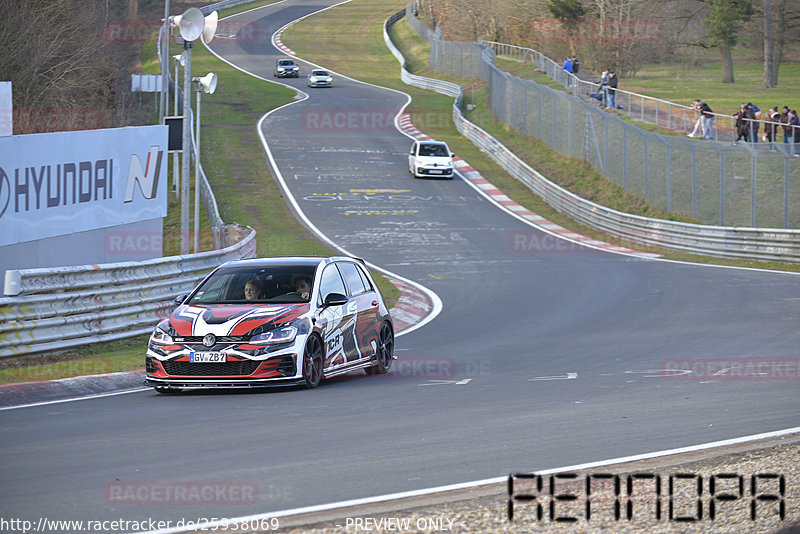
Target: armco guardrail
<point>734,242</point>
<point>59,308</point>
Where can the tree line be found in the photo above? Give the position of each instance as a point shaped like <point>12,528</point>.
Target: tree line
<point>628,33</point>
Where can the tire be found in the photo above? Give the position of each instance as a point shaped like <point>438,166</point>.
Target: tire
<point>385,353</point>
<point>312,363</point>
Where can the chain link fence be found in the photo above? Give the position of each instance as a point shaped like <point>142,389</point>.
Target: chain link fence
<point>713,182</point>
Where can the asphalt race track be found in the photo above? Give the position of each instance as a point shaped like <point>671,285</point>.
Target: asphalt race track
<point>545,354</point>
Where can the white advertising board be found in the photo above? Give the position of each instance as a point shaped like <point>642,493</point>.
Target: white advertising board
<point>56,184</point>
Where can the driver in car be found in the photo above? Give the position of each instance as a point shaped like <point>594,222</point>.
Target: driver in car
<point>302,285</point>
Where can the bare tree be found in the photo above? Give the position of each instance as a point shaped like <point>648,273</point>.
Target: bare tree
<point>59,65</point>
<point>769,60</point>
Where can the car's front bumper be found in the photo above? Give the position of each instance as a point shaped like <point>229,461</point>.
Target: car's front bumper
<point>434,171</point>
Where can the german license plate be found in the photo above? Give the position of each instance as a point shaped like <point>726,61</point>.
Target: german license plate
<point>435,171</point>
<point>207,357</point>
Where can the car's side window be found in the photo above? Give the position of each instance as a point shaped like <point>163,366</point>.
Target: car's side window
<point>331,282</point>
<point>365,278</point>
<point>414,149</point>
<point>354,281</point>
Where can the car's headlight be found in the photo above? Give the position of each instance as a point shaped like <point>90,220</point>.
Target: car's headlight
<point>285,334</point>
<point>314,79</point>
<point>280,69</point>
<point>161,335</point>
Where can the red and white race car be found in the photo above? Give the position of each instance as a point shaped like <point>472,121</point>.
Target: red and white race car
<point>273,321</point>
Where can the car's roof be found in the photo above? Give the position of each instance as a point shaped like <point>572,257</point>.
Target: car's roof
<point>442,143</point>
<point>287,261</point>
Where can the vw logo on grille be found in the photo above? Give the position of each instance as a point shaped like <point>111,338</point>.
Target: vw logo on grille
<point>209,340</point>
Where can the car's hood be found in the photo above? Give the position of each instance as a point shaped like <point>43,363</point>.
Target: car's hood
<point>231,319</point>
<point>434,161</point>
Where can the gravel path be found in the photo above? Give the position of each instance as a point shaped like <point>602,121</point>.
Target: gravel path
<point>488,512</point>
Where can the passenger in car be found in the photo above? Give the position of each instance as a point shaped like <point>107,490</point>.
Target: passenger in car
<point>252,289</point>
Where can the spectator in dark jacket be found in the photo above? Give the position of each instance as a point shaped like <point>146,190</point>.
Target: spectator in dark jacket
<point>611,90</point>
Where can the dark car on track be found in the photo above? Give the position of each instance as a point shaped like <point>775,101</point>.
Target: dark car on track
<point>286,68</point>
<point>273,321</point>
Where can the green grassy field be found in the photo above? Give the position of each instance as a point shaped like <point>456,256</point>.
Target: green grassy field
<point>681,84</point>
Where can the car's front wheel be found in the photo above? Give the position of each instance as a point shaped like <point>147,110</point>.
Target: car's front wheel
<point>385,353</point>
<point>312,363</point>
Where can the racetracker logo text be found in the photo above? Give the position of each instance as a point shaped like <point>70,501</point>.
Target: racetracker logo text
<point>177,493</point>
<point>730,369</point>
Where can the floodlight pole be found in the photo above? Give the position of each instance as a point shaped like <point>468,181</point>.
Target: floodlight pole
<point>187,146</point>
<point>197,172</point>
<point>164,45</point>
<point>176,154</point>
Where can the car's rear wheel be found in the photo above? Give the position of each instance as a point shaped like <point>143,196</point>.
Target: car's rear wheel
<point>385,353</point>
<point>312,363</point>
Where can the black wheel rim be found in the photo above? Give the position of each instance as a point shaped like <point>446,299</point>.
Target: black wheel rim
<point>386,347</point>
<point>313,362</point>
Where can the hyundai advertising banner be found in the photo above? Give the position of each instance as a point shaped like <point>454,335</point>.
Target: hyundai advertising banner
<point>55,184</point>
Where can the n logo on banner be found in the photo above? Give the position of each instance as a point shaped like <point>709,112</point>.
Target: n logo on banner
<point>147,179</point>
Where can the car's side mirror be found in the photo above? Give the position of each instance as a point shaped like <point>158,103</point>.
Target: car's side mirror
<point>335,299</point>
<point>179,299</point>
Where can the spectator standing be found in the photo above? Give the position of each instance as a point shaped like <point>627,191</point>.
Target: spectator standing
<point>770,127</point>
<point>708,120</point>
<point>698,123</point>
<point>755,124</point>
<point>787,130</point>
<point>602,89</point>
<point>612,89</point>
<point>744,123</point>
<point>794,127</point>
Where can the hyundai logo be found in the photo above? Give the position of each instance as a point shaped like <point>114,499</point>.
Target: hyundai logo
<point>209,340</point>
<point>5,191</point>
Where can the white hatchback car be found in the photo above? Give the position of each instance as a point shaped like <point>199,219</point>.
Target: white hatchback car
<point>320,78</point>
<point>430,158</point>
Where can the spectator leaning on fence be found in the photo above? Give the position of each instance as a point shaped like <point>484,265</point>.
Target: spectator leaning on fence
<point>567,66</point>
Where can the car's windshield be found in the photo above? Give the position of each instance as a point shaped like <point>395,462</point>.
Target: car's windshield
<point>251,284</point>
<point>286,62</point>
<point>432,149</point>
<point>319,73</point>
